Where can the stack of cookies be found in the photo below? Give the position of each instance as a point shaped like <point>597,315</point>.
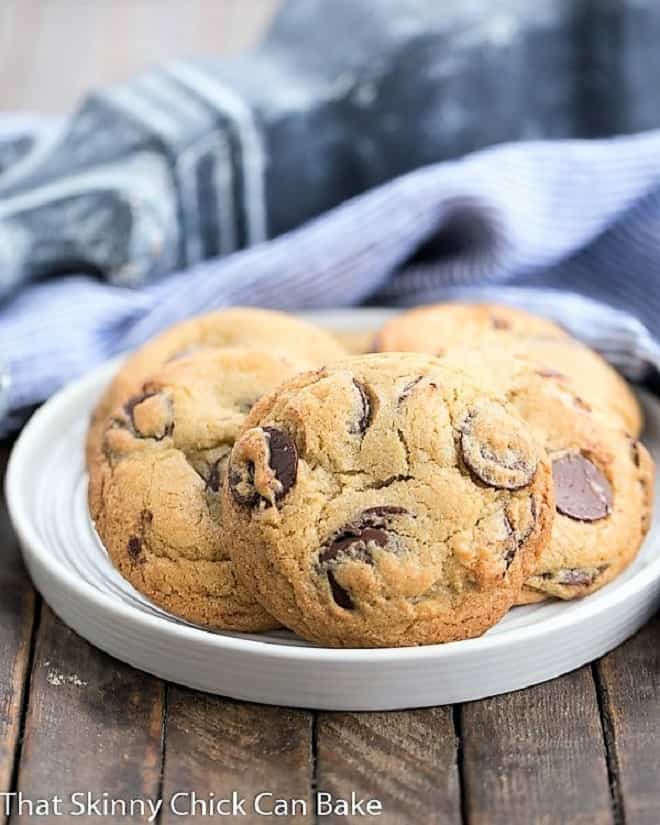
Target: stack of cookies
<point>247,472</point>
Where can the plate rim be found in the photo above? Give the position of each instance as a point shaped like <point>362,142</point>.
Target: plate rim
<point>35,551</point>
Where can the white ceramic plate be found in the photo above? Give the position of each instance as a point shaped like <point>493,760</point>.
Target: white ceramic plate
<point>46,491</point>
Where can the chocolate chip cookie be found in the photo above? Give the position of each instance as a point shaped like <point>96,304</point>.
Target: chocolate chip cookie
<point>603,478</point>
<point>155,489</point>
<point>490,327</point>
<point>384,501</point>
<point>303,344</point>
<point>438,327</point>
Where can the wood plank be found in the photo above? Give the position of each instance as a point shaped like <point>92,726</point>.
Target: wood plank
<point>93,724</point>
<point>629,686</point>
<point>216,745</point>
<point>537,756</point>
<point>17,611</point>
<point>405,760</point>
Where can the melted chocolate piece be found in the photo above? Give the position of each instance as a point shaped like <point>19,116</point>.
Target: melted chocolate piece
<point>355,541</point>
<point>581,490</point>
<point>214,477</point>
<point>575,576</point>
<point>512,544</point>
<point>283,459</point>
<point>410,386</point>
<point>341,596</point>
<point>364,413</point>
<point>244,479</point>
<point>134,547</point>
<point>386,510</point>
<point>496,450</point>
<point>582,404</point>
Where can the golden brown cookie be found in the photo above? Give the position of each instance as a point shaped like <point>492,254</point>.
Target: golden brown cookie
<point>603,478</point>
<point>356,342</point>
<point>589,376</point>
<point>303,344</point>
<point>490,327</point>
<point>386,500</point>
<point>438,327</point>
<point>154,491</point>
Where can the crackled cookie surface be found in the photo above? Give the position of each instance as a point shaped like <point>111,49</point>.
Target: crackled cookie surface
<point>589,377</point>
<point>602,477</point>
<point>441,327</point>
<point>277,332</point>
<point>386,500</point>
<point>155,489</point>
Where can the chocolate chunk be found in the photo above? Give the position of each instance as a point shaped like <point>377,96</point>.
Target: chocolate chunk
<point>500,323</point>
<point>386,510</point>
<point>214,478</point>
<point>546,372</point>
<point>499,544</point>
<point>409,387</point>
<point>581,490</point>
<point>134,547</point>
<point>511,544</point>
<point>496,448</point>
<point>575,576</point>
<point>341,596</point>
<point>135,542</point>
<point>581,403</point>
<point>634,451</point>
<point>355,541</point>
<point>264,466</point>
<point>357,537</point>
<point>241,484</point>
<point>364,409</point>
<point>283,459</point>
<point>526,523</point>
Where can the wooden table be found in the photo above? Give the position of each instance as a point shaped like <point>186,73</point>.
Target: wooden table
<point>584,748</point>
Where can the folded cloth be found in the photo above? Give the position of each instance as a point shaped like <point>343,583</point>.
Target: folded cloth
<point>526,223</point>
<point>195,159</point>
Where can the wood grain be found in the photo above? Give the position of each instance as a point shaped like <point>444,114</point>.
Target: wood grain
<point>93,724</point>
<point>629,683</point>
<point>406,760</point>
<point>218,745</point>
<point>53,52</point>
<point>537,756</point>
<point>17,610</point>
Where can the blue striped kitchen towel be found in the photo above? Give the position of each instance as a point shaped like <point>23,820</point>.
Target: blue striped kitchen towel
<point>570,229</point>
